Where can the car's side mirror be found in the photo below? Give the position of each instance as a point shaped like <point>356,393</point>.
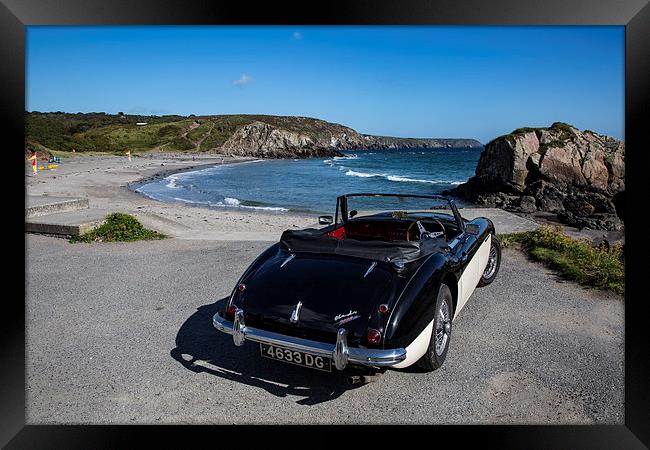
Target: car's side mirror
<point>472,228</point>
<point>353,213</point>
<point>325,220</point>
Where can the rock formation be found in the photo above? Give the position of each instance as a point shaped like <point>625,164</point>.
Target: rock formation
<point>273,138</point>
<point>574,174</point>
<point>263,140</point>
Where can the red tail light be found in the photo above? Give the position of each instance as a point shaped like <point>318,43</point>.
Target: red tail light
<point>230,312</point>
<point>383,308</point>
<point>373,336</point>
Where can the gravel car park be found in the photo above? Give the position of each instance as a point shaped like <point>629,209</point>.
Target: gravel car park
<point>115,335</point>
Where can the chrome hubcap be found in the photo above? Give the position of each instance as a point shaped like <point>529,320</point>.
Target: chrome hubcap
<point>491,264</point>
<point>443,328</point>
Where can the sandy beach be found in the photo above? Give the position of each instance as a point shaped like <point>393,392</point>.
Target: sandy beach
<point>105,181</point>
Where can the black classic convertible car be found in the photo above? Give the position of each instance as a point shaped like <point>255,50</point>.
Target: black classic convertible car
<point>379,286</point>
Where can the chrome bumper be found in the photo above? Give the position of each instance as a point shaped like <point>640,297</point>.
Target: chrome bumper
<point>340,353</point>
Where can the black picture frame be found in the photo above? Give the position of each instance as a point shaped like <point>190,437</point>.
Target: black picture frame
<point>15,15</point>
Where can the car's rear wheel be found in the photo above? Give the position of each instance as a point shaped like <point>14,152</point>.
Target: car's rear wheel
<point>441,333</point>
<point>493,264</point>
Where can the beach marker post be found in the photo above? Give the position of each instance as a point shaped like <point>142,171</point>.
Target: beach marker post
<point>32,158</point>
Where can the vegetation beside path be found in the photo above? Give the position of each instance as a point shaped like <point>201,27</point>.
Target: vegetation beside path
<point>119,227</point>
<point>578,260</point>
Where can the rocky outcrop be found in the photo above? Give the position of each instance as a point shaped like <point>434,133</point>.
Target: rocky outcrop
<point>574,174</point>
<point>305,137</point>
<point>263,140</point>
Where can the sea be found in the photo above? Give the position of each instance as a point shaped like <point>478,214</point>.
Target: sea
<point>312,185</point>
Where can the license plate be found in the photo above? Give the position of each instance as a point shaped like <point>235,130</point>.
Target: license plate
<point>296,357</point>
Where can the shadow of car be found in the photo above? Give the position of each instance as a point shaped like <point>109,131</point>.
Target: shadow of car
<point>200,348</point>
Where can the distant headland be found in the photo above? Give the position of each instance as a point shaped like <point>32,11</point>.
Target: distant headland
<point>262,136</point>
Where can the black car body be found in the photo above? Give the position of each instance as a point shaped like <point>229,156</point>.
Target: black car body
<point>378,289</point>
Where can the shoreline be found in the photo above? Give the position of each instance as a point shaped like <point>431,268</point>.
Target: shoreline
<point>132,186</point>
<point>108,182</point>
<point>167,172</point>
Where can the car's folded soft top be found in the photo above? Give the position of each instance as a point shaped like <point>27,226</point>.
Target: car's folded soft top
<point>312,240</point>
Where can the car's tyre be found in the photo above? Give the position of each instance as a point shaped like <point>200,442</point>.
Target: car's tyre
<point>493,264</point>
<point>441,333</point>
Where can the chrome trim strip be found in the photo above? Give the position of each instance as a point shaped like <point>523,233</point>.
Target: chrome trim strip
<point>296,313</point>
<point>362,356</point>
<point>288,259</point>
<point>370,269</point>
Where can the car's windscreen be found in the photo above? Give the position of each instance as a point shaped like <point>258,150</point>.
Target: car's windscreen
<point>400,207</point>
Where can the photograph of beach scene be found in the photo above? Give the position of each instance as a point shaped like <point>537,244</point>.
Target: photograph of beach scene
<point>161,161</point>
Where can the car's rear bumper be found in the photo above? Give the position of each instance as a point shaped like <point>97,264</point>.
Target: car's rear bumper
<point>340,353</point>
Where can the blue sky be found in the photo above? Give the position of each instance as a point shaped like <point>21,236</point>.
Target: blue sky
<point>431,81</point>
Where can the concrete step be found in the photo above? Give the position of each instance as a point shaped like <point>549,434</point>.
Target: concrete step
<point>41,205</point>
<point>67,223</point>
<point>161,224</point>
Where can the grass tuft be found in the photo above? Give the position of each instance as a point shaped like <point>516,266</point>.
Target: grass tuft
<point>575,259</point>
<point>119,227</point>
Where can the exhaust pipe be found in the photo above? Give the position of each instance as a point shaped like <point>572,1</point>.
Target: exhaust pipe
<point>362,379</point>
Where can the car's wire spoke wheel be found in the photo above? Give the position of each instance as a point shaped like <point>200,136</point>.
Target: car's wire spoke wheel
<point>443,328</point>
<point>491,264</point>
<point>440,339</point>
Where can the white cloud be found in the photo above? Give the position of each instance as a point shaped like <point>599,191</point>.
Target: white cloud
<point>243,80</point>
<point>297,35</point>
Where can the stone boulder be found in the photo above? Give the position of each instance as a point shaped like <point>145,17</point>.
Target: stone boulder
<point>574,174</point>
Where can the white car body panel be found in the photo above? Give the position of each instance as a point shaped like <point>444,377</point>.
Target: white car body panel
<point>417,348</point>
<point>472,274</point>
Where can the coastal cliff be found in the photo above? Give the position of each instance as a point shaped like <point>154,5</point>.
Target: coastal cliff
<point>387,142</point>
<point>242,135</point>
<point>265,141</point>
<point>578,175</point>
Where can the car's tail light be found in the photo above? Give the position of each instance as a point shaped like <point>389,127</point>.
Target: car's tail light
<point>230,311</point>
<point>373,336</point>
<point>383,308</point>
<point>231,308</point>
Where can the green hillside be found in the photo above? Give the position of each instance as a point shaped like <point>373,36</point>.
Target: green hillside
<point>99,132</point>
<point>291,135</point>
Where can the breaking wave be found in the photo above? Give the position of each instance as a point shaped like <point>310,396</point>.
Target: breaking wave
<point>398,178</point>
<point>232,203</point>
<point>352,173</point>
<point>172,182</point>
